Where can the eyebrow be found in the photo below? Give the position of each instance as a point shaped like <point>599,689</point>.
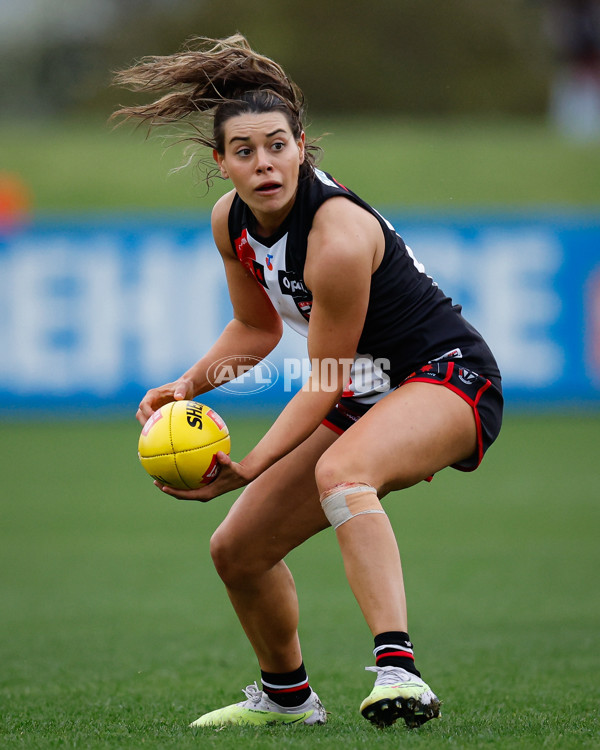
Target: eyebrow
<point>247,137</point>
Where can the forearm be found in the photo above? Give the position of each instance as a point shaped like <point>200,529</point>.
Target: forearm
<point>238,341</point>
<point>299,419</point>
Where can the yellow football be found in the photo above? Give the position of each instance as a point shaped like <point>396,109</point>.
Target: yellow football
<point>179,444</point>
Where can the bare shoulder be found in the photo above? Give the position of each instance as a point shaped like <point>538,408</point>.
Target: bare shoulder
<point>342,213</point>
<point>220,221</point>
<point>342,230</point>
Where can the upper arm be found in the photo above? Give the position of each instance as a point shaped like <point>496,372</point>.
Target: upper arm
<point>251,305</point>
<point>344,245</point>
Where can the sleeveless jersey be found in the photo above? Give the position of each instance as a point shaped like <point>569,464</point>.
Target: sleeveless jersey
<point>409,320</point>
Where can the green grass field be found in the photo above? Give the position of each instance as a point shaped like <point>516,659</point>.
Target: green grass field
<point>437,164</point>
<point>116,631</point>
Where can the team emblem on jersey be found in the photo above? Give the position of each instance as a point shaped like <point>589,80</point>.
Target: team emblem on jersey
<point>468,377</point>
<point>259,273</point>
<point>305,306</point>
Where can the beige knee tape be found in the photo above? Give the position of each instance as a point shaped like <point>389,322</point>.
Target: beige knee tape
<point>344,502</point>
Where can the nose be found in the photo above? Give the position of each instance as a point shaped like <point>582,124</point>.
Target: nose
<point>263,163</point>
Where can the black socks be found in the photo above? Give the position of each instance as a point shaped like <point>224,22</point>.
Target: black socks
<point>287,688</point>
<point>394,649</point>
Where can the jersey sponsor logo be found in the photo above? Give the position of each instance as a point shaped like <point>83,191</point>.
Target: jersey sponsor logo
<point>268,263</point>
<point>289,283</point>
<point>293,286</point>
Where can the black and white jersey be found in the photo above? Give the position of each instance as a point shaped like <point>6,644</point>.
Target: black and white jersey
<point>409,320</point>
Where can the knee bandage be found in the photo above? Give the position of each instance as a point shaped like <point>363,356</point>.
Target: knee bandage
<point>346,501</point>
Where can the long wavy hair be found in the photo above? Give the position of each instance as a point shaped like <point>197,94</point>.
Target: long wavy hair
<point>206,83</point>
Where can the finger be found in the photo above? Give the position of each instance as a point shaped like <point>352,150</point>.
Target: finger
<point>181,494</point>
<point>181,390</point>
<point>223,458</point>
<point>144,413</point>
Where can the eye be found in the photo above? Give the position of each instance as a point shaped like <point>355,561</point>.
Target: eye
<point>243,152</point>
<point>278,146</point>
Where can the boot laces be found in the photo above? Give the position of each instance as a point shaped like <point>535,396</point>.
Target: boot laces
<point>390,675</point>
<point>253,693</point>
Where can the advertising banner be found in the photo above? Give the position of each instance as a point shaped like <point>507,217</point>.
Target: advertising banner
<point>94,311</point>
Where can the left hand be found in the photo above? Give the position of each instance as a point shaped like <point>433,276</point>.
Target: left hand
<point>231,476</point>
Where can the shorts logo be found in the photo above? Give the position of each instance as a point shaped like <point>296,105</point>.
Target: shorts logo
<point>452,354</point>
<point>468,377</point>
<point>431,370</point>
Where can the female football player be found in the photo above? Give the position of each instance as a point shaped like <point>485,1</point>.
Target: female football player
<point>401,385</point>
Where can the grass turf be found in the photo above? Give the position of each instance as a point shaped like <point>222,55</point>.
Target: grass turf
<point>437,164</point>
<point>116,631</point>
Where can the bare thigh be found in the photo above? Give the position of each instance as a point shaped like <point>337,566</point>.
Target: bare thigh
<point>279,510</point>
<point>409,435</point>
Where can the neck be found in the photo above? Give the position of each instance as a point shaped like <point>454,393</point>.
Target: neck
<point>268,223</point>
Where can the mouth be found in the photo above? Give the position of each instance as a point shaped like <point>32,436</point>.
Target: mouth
<point>268,188</point>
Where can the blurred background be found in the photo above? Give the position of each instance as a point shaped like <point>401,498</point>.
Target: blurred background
<point>406,57</point>
<point>475,128</point>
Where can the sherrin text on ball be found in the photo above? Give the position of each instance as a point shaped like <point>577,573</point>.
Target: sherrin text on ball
<point>178,445</point>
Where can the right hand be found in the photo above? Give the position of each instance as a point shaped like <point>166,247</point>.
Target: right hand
<point>164,394</point>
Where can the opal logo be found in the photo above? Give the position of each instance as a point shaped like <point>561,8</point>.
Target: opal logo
<point>242,375</point>
<point>289,284</point>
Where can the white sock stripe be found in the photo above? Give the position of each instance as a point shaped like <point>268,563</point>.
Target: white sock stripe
<point>284,687</point>
<point>392,645</point>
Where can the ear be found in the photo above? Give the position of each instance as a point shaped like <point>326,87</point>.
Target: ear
<point>302,146</point>
<point>219,159</point>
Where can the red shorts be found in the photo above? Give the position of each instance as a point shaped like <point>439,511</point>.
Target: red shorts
<point>484,395</point>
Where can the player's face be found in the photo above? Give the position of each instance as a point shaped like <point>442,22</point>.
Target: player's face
<point>263,160</point>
